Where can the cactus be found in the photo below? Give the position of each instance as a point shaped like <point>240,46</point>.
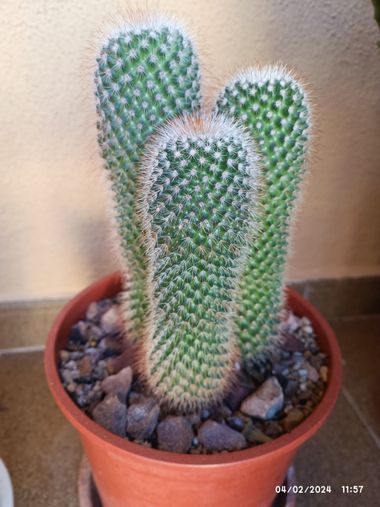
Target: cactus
<point>197,211</point>
<point>147,72</point>
<point>274,107</point>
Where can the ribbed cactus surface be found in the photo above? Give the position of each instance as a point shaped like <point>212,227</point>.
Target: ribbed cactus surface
<point>199,182</point>
<point>273,106</point>
<point>146,73</point>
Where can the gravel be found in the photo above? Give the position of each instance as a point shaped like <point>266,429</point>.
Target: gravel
<point>269,399</point>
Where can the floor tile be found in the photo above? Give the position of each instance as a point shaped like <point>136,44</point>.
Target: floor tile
<point>360,343</point>
<point>341,453</point>
<point>39,447</point>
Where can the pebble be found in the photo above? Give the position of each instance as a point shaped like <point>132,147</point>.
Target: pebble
<point>266,401</point>
<point>235,423</point>
<point>71,387</point>
<point>316,361</point>
<point>110,347</point>
<point>135,398</point>
<point>142,418</point>
<point>68,376</point>
<point>291,323</point>
<point>324,372</point>
<point>292,419</point>
<point>175,434</point>
<point>291,388</point>
<point>77,334</point>
<point>254,435</point>
<point>291,343</point>
<point>64,356</point>
<point>194,419</point>
<point>110,321</point>
<point>93,334</point>
<point>92,311</point>
<point>273,429</point>
<point>220,437</point>
<point>119,384</point>
<point>312,373</point>
<point>85,368</point>
<point>221,412</point>
<point>111,414</point>
<point>205,414</point>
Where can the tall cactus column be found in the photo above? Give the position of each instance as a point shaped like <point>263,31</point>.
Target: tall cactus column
<point>197,210</point>
<point>274,108</point>
<point>147,72</point>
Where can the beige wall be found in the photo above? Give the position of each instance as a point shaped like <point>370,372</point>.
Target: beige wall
<point>53,225</point>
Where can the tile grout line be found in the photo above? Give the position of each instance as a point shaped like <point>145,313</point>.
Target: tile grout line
<point>22,350</point>
<point>361,417</point>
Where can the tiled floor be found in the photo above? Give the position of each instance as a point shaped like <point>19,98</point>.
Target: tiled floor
<point>42,451</point>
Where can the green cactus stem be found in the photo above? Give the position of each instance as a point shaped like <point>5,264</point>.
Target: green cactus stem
<point>147,72</point>
<point>197,210</point>
<point>274,107</point>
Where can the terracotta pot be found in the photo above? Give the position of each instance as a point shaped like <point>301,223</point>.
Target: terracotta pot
<point>130,475</point>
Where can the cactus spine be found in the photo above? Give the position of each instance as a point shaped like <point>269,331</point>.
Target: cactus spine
<point>197,210</point>
<point>146,73</point>
<point>273,106</point>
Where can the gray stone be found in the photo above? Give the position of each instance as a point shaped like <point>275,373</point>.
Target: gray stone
<point>175,434</point>
<point>111,321</point>
<point>111,414</point>
<point>119,384</point>
<point>142,418</point>
<point>266,401</point>
<point>220,437</point>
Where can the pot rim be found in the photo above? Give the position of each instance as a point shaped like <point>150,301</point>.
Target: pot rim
<point>281,444</point>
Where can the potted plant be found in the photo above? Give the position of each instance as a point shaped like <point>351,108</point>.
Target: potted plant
<point>203,203</point>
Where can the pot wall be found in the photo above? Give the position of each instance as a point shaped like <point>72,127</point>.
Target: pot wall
<point>132,481</point>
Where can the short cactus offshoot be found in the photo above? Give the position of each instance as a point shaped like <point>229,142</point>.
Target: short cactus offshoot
<point>197,210</point>
<point>147,72</point>
<point>274,107</point>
